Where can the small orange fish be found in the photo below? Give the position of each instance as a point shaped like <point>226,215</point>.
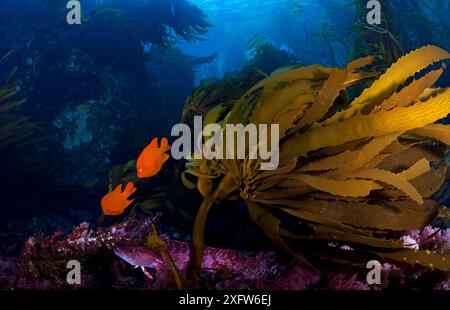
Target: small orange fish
<point>152,158</point>
<point>117,201</point>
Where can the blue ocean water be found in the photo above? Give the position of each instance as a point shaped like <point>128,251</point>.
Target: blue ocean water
<point>291,25</point>
<point>317,31</point>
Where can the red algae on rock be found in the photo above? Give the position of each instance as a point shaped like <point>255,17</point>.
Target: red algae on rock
<point>108,257</point>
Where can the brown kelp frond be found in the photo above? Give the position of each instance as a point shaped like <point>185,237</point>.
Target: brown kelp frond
<point>399,72</point>
<point>15,131</point>
<point>361,176</point>
<point>212,93</point>
<point>202,100</point>
<point>381,40</point>
<point>265,57</point>
<point>382,91</point>
<point>367,121</point>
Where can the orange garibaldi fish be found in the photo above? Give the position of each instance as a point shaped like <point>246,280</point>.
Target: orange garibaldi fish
<point>117,201</point>
<point>152,158</point>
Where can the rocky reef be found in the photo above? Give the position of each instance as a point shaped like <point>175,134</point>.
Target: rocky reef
<point>113,257</point>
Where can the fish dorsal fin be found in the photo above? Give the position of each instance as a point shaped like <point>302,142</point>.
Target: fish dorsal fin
<point>153,144</point>
<point>118,189</point>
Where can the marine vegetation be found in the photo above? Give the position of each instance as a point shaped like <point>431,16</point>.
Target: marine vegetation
<point>119,66</point>
<point>211,93</point>
<point>173,19</point>
<point>377,40</point>
<point>15,131</point>
<point>265,58</point>
<point>356,170</point>
<point>20,143</point>
<point>117,257</point>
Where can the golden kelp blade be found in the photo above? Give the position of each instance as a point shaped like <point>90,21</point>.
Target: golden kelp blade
<point>411,92</point>
<point>399,72</point>
<point>268,87</point>
<point>390,178</point>
<point>381,217</point>
<point>438,132</point>
<point>382,91</point>
<point>356,159</point>
<point>372,125</point>
<point>343,188</point>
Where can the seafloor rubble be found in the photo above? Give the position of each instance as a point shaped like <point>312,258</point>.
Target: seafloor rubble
<point>117,257</point>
